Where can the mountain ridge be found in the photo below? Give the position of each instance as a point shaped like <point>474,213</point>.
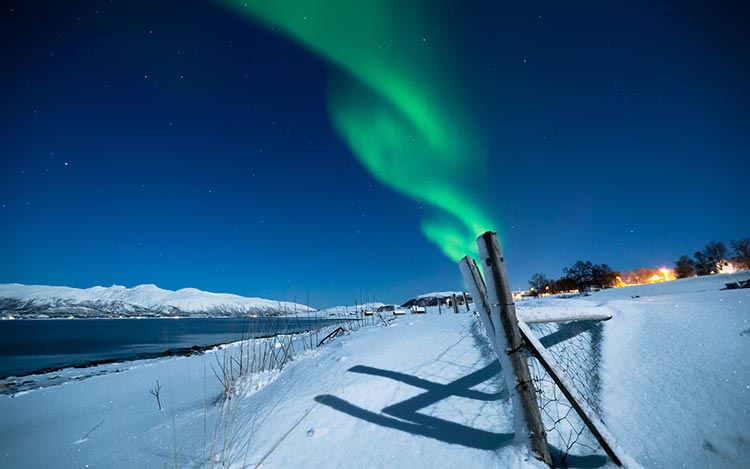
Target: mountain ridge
<point>148,300</point>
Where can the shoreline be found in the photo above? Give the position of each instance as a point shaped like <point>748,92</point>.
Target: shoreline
<point>8,381</point>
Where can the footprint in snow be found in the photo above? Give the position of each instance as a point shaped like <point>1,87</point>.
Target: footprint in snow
<point>317,432</point>
<point>709,447</point>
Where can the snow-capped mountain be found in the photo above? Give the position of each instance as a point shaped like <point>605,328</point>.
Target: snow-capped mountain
<point>40,301</point>
<point>432,299</point>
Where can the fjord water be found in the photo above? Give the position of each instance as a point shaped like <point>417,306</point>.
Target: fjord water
<point>33,346</point>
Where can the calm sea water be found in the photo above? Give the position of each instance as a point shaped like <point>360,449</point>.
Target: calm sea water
<point>31,346</point>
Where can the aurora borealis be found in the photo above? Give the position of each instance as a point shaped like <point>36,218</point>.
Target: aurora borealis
<point>352,150</point>
<point>395,104</point>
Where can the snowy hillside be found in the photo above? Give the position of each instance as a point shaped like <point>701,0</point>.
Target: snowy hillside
<point>40,301</point>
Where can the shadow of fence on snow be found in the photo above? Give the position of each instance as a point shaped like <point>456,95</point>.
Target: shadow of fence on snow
<point>405,416</point>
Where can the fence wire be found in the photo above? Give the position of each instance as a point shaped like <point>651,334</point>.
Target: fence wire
<point>576,348</point>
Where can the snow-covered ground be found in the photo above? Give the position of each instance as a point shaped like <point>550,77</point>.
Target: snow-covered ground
<point>423,391</point>
<point>677,373</point>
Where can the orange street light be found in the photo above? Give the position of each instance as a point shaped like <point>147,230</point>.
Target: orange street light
<point>665,271</point>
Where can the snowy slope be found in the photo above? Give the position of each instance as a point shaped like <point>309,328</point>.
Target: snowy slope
<point>326,409</point>
<point>144,300</point>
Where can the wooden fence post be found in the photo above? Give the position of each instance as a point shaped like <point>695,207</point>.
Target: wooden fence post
<point>455,303</point>
<point>474,281</point>
<point>466,299</point>
<point>510,340</point>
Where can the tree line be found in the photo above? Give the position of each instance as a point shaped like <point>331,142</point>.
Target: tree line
<point>708,260</point>
<point>584,274</point>
<point>579,276</point>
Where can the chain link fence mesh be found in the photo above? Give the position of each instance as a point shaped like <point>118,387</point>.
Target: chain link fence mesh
<point>576,347</point>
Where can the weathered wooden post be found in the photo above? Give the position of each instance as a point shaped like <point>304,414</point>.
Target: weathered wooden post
<point>527,417</point>
<point>495,317</point>
<point>455,303</point>
<point>466,301</point>
<point>474,281</point>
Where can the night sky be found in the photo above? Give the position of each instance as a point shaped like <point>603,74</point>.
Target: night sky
<point>188,145</point>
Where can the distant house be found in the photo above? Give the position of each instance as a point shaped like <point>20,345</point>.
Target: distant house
<point>725,266</point>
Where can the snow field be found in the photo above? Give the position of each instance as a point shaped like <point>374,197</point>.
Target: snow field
<point>422,392</point>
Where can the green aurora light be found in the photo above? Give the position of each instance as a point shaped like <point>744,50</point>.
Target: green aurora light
<point>393,99</point>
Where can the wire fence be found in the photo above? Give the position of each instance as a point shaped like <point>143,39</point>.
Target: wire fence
<point>576,347</point>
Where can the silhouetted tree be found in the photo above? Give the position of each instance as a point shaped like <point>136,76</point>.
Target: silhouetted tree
<point>582,273</point>
<point>586,274</point>
<point>715,251</point>
<point>702,264</point>
<point>602,275</point>
<point>741,249</point>
<point>684,267</point>
<point>563,284</point>
<point>539,282</point>
<point>707,259</point>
